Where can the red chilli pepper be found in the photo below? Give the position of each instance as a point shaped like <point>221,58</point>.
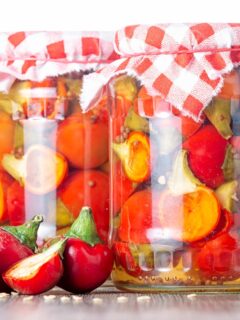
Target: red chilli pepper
<point>17,243</point>
<point>218,257</point>
<point>206,155</point>
<point>225,223</point>
<point>16,203</point>
<point>125,259</point>
<point>87,262</point>
<point>38,273</point>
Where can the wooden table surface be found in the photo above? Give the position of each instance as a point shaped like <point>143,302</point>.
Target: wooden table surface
<point>109,303</point>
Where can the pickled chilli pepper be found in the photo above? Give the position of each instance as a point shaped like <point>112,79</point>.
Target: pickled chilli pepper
<point>87,262</point>
<point>17,243</point>
<point>207,151</point>
<point>125,259</point>
<point>38,273</point>
<point>218,257</point>
<point>134,154</point>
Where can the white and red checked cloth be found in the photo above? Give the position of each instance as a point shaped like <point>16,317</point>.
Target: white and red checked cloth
<point>182,63</point>
<point>37,55</point>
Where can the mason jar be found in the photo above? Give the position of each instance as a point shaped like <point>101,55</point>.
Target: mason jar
<point>175,191</point>
<point>174,156</point>
<point>53,157</point>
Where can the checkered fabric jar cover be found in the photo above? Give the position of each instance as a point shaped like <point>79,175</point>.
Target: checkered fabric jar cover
<point>182,63</point>
<point>37,55</point>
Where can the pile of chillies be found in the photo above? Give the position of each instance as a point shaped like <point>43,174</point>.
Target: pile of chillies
<point>176,183</point>
<point>77,262</point>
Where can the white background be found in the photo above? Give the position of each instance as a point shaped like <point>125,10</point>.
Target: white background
<point>74,15</point>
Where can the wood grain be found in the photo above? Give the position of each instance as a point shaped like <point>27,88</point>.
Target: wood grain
<point>109,303</point>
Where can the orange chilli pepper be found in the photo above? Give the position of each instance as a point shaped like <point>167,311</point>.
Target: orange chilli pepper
<point>137,218</point>
<point>5,183</point>
<point>83,140</point>
<point>134,154</point>
<point>191,216</point>
<point>7,128</point>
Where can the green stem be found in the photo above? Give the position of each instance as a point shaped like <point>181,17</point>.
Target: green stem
<point>27,232</point>
<point>84,228</point>
<point>59,247</point>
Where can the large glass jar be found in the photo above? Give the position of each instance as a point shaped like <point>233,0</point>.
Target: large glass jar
<point>175,191</point>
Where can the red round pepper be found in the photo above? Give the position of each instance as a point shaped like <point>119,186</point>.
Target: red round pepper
<point>136,218</point>
<point>87,262</point>
<point>38,273</point>
<point>17,243</point>
<point>16,204</point>
<point>206,155</point>
<point>216,258</point>
<point>88,188</point>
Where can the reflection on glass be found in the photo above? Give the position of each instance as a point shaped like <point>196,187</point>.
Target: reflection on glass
<point>41,170</point>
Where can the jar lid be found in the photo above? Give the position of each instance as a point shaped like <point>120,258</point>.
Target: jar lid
<point>184,64</point>
<point>37,55</point>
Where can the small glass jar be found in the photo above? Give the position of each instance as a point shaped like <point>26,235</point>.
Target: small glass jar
<point>53,157</point>
<point>175,191</point>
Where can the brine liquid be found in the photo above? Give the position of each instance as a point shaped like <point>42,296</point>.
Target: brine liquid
<point>164,268</point>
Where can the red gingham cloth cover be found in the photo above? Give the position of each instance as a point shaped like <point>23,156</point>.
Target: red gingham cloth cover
<point>36,55</point>
<point>182,63</point>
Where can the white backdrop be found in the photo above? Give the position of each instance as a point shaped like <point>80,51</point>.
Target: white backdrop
<point>70,15</point>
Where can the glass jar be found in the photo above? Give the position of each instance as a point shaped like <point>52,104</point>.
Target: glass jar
<point>53,157</point>
<point>175,191</point>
